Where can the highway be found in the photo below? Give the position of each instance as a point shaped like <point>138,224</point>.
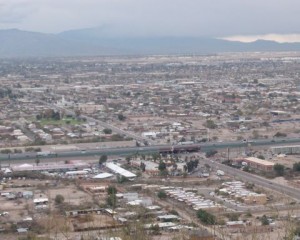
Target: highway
<point>150,149</point>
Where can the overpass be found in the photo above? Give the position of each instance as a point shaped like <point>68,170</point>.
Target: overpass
<point>152,149</point>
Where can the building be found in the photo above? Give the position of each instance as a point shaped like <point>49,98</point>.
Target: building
<point>256,163</point>
<point>121,171</point>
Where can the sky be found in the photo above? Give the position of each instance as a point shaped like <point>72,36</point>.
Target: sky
<point>193,18</point>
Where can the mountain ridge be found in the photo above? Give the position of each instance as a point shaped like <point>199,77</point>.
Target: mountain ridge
<point>97,41</point>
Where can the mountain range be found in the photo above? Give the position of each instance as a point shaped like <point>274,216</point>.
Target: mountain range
<point>94,41</point>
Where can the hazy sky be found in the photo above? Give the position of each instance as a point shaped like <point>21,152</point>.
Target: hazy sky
<point>155,17</point>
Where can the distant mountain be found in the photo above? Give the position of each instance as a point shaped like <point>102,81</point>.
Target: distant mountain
<point>17,43</point>
<point>97,41</point>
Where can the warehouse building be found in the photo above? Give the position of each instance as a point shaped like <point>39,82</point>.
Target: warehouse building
<point>256,163</point>
<point>121,171</point>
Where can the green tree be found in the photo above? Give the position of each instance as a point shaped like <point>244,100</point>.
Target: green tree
<point>264,220</point>
<point>162,194</point>
<point>210,124</point>
<point>111,190</point>
<point>102,159</point>
<point>155,229</point>
<point>59,199</point>
<point>211,153</point>
<point>155,156</point>
<point>233,216</point>
<point>143,167</point>
<point>121,117</point>
<point>107,131</point>
<point>121,179</point>
<point>206,217</point>
<point>279,169</point>
<point>280,134</point>
<point>111,200</point>
<point>296,166</point>
<point>6,151</point>
<point>128,159</point>
<point>37,160</point>
<point>162,166</point>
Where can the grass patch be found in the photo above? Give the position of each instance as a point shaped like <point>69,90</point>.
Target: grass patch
<point>64,121</point>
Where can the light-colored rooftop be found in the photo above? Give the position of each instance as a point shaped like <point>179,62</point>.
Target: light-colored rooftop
<point>115,168</point>
<point>259,161</point>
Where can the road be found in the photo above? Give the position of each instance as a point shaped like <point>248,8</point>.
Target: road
<point>150,149</point>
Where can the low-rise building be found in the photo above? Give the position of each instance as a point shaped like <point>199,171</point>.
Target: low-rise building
<point>256,163</point>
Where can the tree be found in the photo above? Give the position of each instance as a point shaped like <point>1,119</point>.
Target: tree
<point>155,156</point>
<point>128,159</point>
<point>107,131</point>
<point>161,194</point>
<point>112,200</point>
<point>246,169</point>
<point>121,117</point>
<point>210,124</point>
<point>279,134</point>
<point>211,153</point>
<point>296,167</point>
<point>59,199</point>
<point>111,190</point>
<point>102,159</point>
<point>162,166</point>
<point>37,160</point>
<point>143,167</point>
<point>206,217</point>
<point>38,117</point>
<point>264,220</point>
<point>6,151</point>
<point>261,157</point>
<point>279,169</point>
<point>121,179</point>
<point>155,229</point>
<point>233,216</point>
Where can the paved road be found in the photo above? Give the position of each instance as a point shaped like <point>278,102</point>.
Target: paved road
<point>151,149</point>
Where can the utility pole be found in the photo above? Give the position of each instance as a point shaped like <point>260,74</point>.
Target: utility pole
<point>228,151</point>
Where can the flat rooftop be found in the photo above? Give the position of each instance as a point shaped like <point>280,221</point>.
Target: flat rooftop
<point>259,161</point>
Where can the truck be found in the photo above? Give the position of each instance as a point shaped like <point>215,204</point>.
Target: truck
<point>220,173</point>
